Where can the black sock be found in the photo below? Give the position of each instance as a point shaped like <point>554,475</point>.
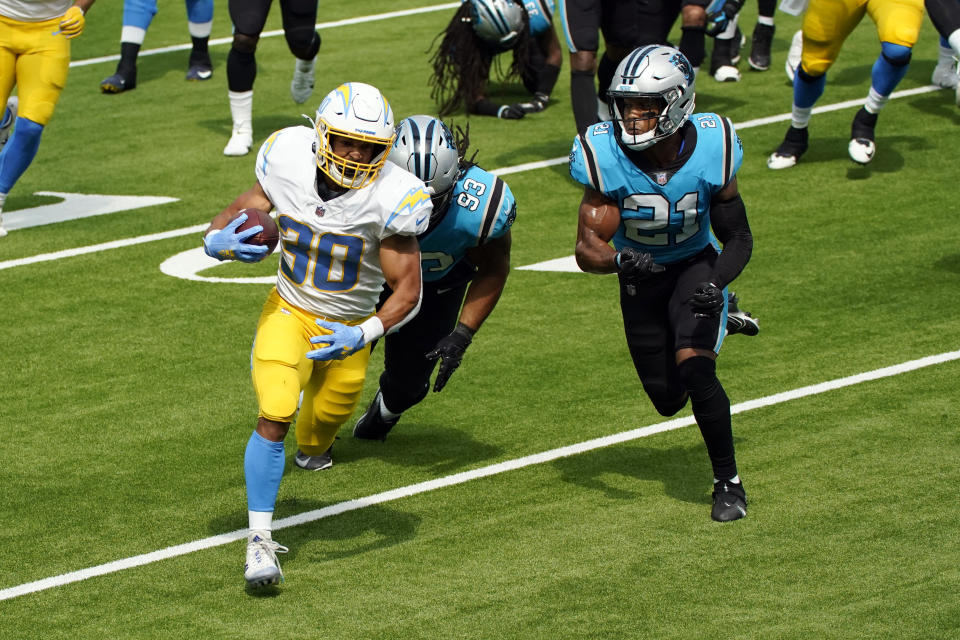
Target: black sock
<point>605,70</point>
<point>583,95</point>
<point>766,8</point>
<point>127,67</point>
<point>241,70</point>
<point>199,53</point>
<point>693,44</point>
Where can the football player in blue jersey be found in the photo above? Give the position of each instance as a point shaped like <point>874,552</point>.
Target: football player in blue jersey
<point>660,182</point>
<point>477,33</point>
<point>465,258</point>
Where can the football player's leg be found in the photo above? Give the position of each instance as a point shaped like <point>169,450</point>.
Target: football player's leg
<point>650,341</point>
<point>825,27</point>
<point>334,391</point>
<point>137,15</point>
<point>898,25</point>
<point>581,28</point>
<point>299,29</point>
<point>41,74</point>
<point>698,340</point>
<point>199,23</point>
<point>248,17</point>
<point>762,37</point>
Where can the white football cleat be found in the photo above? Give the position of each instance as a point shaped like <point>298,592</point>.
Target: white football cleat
<point>262,567</point>
<point>239,144</point>
<point>861,150</point>
<point>794,54</point>
<point>302,84</point>
<point>7,119</point>
<point>726,73</point>
<point>777,161</point>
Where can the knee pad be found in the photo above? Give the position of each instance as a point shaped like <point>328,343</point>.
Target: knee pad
<point>896,54</point>
<point>303,42</point>
<point>245,44</point>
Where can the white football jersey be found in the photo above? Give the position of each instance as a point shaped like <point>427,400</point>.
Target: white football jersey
<point>330,261</point>
<point>34,10</point>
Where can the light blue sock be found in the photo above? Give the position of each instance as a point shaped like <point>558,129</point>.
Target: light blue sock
<point>807,89</point>
<point>19,152</point>
<point>263,468</point>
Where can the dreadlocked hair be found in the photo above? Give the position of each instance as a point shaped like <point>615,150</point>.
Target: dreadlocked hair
<point>461,138</point>
<point>462,62</point>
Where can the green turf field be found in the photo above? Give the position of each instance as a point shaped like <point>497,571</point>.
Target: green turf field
<point>126,404</point>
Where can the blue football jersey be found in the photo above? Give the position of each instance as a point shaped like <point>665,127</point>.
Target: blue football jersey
<point>482,208</point>
<point>665,215</point>
<point>541,15</point>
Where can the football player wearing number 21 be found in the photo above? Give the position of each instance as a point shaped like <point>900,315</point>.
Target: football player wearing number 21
<point>348,223</point>
<point>658,179</point>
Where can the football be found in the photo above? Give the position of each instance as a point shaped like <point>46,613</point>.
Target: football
<point>270,234</point>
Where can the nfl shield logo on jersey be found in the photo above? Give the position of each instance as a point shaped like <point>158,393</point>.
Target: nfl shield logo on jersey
<point>661,178</point>
<point>320,211</point>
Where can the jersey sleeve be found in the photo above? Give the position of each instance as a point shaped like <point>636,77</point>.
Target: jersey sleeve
<point>410,210</point>
<point>281,161</point>
<point>500,214</point>
<point>581,156</point>
<point>732,151</point>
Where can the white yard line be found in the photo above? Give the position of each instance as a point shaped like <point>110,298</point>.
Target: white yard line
<point>467,476</point>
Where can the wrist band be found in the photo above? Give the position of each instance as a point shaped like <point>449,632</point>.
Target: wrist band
<point>372,329</point>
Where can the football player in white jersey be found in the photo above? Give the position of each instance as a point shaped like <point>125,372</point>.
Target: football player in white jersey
<point>35,55</point>
<point>348,224</point>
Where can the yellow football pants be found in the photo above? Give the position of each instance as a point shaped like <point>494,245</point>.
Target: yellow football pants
<point>37,61</point>
<point>827,23</point>
<point>281,370</point>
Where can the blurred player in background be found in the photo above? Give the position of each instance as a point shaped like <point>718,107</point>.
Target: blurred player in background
<point>465,256</point>
<point>660,182</point>
<point>627,24</point>
<point>826,25</point>
<point>34,55</point>
<point>479,31</point>
<point>348,223</point>
<point>299,29</point>
<point>137,16</point>
<point>945,15</point>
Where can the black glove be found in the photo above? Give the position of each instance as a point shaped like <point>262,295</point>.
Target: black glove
<point>636,265</point>
<point>539,103</point>
<point>450,349</point>
<point>707,300</point>
<point>717,21</point>
<point>511,112</point>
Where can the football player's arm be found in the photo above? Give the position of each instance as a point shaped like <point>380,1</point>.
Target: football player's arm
<point>74,20</point>
<point>493,266</point>
<point>400,262</point>
<point>221,239</point>
<point>598,220</point>
<point>728,217</point>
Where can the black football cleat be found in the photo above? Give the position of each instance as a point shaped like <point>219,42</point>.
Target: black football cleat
<point>760,43</point>
<point>738,320</point>
<point>200,67</point>
<point>314,463</point>
<point>118,83</point>
<point>372,425</point>
<point>729,501</point>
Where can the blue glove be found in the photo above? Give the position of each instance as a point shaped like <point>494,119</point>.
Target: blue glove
<point>719,15</point>
<point>227,244</point>
<point>344,341</point>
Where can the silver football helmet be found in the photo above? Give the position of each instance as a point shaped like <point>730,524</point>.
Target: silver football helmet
<point>654,71</point>
<point>426,148</point>
<point>360,112</point>
<point>497,22</point>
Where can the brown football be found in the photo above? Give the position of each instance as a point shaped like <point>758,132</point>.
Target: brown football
<point>270,234</point>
